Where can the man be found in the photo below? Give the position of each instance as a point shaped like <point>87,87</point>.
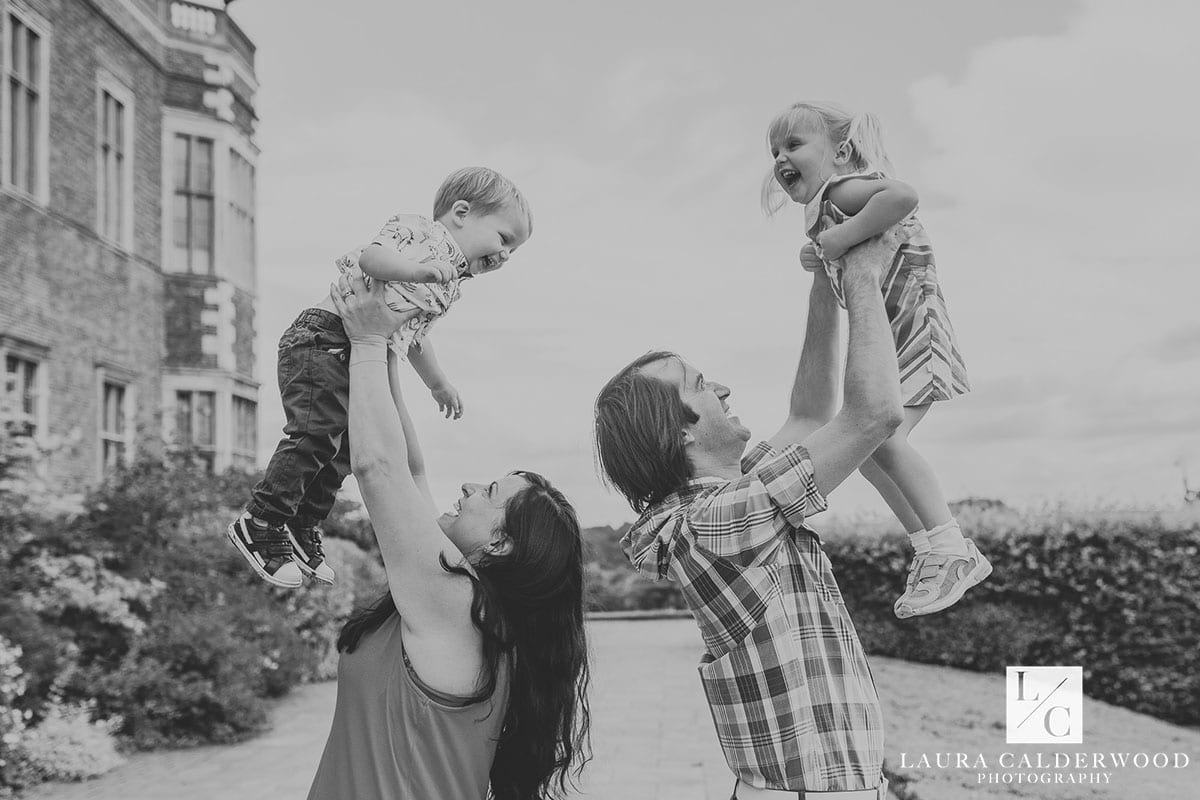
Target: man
<point>787,681</point>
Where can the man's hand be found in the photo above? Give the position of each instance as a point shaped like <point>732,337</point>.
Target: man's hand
<point>833,242</point>
<point>873,257</point>
<point>448,400</point>
<point>809,258</point>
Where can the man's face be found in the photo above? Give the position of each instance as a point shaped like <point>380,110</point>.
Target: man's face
<point>717,432</point>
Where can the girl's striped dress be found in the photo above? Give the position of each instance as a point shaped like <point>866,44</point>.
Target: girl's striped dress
<point>931,367</point>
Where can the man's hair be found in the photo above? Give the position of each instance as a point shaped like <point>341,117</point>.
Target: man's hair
<point>485,189</point>
<point>639,434</point>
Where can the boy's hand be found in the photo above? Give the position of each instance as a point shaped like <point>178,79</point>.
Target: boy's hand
<point>834,243</point>
<point>448,401</point>
<point>435,271</point>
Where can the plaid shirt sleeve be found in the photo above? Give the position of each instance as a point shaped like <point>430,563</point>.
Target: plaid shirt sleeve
<point>736,522</point>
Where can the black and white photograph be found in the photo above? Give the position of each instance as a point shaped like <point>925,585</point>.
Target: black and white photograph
<point>643,400</point>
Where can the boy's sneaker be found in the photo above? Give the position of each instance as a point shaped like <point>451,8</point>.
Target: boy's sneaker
<point>308,552</point>
<point>937,581</point>
<point>267,549</point>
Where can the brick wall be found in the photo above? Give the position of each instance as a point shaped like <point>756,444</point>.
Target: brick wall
<point>85,303</point>
<point>92,306</point>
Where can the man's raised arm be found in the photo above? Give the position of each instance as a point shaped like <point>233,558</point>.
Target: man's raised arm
<point>814,391</point>
<point>871,409</point>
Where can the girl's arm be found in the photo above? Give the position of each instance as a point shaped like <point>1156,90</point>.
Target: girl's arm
<point>875,204</point>
<point>387,264</point>
<point>425,362</point>
<point>430,600</point>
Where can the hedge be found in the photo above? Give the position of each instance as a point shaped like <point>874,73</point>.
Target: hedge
<point>1114,591</point>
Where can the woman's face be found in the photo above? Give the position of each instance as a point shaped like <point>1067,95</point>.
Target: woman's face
<point>473,522</point>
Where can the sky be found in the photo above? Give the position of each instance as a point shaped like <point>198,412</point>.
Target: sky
<point>1051,144</point>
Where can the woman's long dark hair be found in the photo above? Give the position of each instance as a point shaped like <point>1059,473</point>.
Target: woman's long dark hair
<point>528,604</point>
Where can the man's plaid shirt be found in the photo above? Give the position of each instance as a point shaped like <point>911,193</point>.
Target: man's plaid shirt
<point>785,674</point>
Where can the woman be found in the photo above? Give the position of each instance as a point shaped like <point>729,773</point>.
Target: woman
<point>472,669</point>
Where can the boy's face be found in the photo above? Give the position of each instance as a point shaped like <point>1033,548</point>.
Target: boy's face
<point>488,239</point>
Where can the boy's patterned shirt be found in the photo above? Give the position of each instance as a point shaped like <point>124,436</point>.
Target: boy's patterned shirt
<point>785,675</point>
<point>422,240</point>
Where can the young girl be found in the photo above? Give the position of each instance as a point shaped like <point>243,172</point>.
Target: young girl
<point>833,161</point>
<point>479,219</point>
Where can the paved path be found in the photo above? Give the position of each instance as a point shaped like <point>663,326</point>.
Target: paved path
<point>654,739</point>
<point>652,735</point>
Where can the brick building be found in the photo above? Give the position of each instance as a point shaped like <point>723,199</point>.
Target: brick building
<point>127,266</point>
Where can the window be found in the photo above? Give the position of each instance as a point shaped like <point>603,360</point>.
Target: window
<point>115,427</point>
<point>22,390</point>
<point>25,62</point>
<point>241,219</point>
<point>193,207</point>
<point>114,173</point>
<point>195,424</point>
<point>245,430</point>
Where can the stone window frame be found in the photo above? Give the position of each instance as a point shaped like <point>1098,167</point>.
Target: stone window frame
<point>124,380</point>
<point>208,451</point>
<point>37,355</point>
<point>246,455</point>
<point>108,84</point>
<point>31,20</point>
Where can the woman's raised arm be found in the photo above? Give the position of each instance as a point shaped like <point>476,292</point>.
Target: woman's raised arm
<point>410,540</point>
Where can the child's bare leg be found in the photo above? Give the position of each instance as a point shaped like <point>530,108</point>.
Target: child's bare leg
<point>891,495</point>
<point>938,579</point>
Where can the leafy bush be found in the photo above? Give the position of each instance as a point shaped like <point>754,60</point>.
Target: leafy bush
<point>316,612</point>
<point>68,746</point>
<point>1115,591</point>
<point>14,770</point>
<point>611,583</point>
<point>131,604</point>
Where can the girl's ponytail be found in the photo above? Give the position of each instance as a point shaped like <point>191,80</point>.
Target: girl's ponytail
<point>865,137</point>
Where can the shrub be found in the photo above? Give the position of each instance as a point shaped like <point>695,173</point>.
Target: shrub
<point>316,612</point>
<point>1115,591</point>
<point>195,676</point>
<point>14,770</point>
<point>68,746</point>
<point>611,583</point>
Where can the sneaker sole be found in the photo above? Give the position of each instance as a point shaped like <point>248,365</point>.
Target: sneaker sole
<point>304,567</point>
<point>232,533</point>
<point>977,576</point>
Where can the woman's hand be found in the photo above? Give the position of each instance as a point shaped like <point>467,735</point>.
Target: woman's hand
<point>364,311</point>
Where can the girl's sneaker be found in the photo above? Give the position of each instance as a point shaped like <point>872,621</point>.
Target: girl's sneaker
<point>309,553</point>
<point>937,581</point>
<point>266,548</point>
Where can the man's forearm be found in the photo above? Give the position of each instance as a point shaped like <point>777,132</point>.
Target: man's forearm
<point>872,383</point>
<point>814,391</point>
